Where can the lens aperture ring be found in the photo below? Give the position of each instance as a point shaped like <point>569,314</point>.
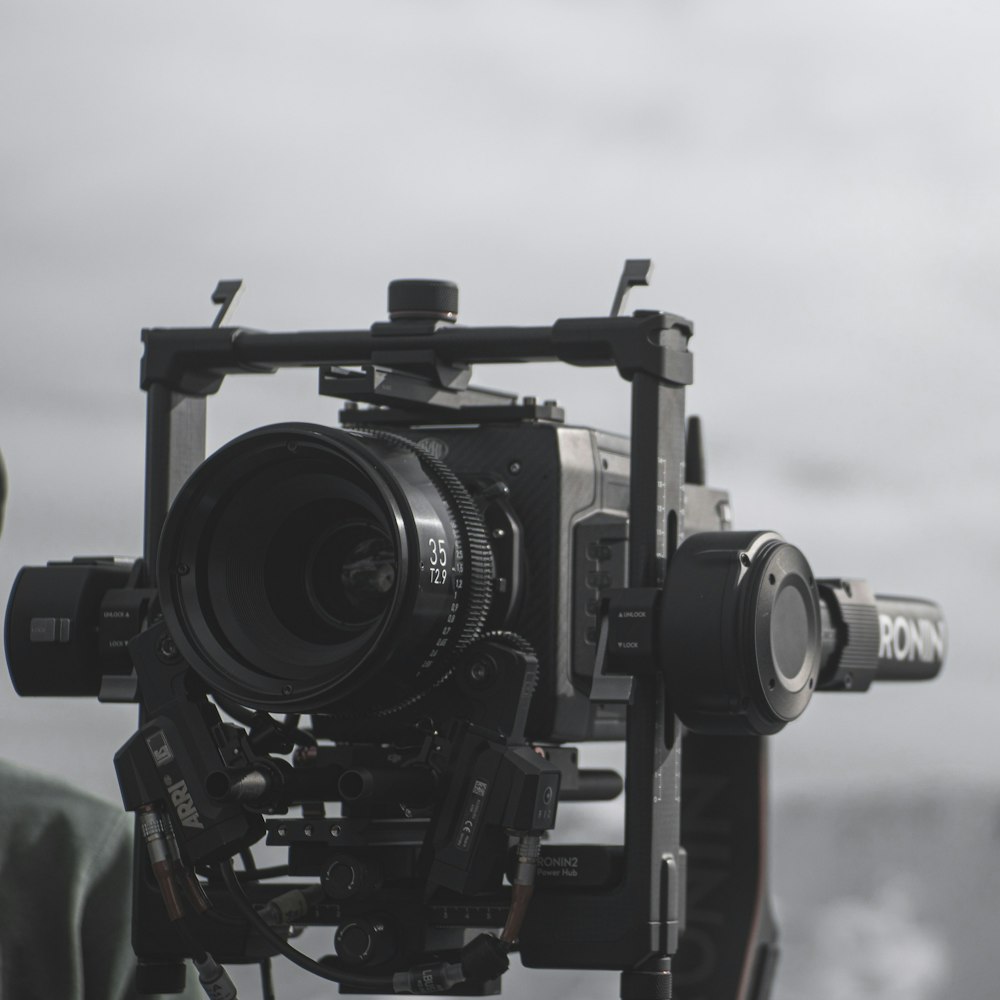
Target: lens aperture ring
<point>474,567</point>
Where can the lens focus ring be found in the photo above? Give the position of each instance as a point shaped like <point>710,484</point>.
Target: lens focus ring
<point>477,557</point>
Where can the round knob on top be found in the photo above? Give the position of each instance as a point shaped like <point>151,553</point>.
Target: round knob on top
<point>412,298</point>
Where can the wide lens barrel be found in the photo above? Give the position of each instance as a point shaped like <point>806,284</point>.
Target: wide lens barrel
<point>302,567</point>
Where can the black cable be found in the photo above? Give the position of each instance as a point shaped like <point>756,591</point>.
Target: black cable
<point>328,970</point>
<point>303,737</point>
<point>246,717</point>
<point>266,980</point>
<point>233,710</point>
<point>259,874</point>
<point>251,873</point>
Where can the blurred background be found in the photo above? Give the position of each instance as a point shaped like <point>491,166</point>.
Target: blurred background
<point>817,185</point>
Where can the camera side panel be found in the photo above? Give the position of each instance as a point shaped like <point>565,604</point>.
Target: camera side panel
<point>569,488</point>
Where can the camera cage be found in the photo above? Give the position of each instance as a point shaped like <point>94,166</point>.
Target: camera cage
<point>713,638</point>
<point>694,839</point>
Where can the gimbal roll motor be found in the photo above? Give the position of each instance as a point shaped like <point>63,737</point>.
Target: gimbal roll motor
<point>743,634</point>
<point>741,621</point>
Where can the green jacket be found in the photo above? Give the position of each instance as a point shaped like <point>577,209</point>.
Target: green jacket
<point>65,893</point>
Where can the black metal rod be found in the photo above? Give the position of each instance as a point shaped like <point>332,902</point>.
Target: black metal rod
<point>653,745</point>
<point>195,359</point>
<point>646,906</point>
<point>472,345</point>
<point>414,785</point>
<point>594,785</point>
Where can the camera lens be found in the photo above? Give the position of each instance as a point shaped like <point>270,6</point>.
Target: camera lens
<point>351,573</point>
<point>302,567</point>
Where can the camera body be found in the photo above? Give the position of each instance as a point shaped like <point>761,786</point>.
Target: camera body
<point>567,525</point>
<point>568,488</point>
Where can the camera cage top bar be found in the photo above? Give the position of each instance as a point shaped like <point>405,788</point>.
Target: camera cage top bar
<point>195,360</point>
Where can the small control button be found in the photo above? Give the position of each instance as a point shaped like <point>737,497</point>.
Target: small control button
<point>49,630</point>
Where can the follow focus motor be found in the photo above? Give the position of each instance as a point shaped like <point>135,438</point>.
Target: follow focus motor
<point>455,588</point>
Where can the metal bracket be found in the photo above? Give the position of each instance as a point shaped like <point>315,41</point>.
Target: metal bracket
<point>396,386</point>
<point>635,272</point>
<point>224,296</point>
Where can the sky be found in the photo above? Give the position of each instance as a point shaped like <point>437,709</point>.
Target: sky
<point>816,185</point>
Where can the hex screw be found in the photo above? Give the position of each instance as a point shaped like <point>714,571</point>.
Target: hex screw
<point>480,673</point>
<point>166,648</point>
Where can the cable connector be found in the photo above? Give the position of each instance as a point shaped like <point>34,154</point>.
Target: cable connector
<point>485,958</point>
<point>522,886</point>
<point>183,875</point>
<point>432,977</point>
<point>528,849</point>
<point>153,830</point>
<point>214,979</point>
<point>291,907</point>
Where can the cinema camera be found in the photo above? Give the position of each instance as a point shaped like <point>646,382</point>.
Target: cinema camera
<point>455,588</point>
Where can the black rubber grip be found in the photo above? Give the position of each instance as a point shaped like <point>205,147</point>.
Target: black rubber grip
<point>870,637</point>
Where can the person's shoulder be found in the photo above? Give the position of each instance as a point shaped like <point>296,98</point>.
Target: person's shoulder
<point>65,876</point>
<point>28,791</point>
<point>38,806</point>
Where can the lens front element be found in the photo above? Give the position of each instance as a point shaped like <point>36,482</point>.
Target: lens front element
<point>351,574</point>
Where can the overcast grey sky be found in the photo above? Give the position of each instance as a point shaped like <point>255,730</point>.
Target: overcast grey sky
<point>816,184</point>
